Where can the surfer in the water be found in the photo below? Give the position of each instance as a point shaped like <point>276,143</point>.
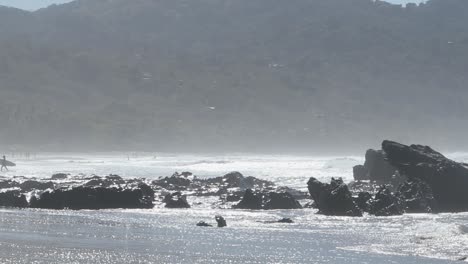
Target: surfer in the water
<point>4,164</point>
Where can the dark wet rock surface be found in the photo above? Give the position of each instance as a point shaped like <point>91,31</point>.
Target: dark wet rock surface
<point>386,203</point>
<point>333,198</point>
<point>447,179</point>
<point>220,221</point>
<point>13,199</point>
<point>267,201</point>
<point>176,200</point>
<point>203,224</point>
<point>93,198</point>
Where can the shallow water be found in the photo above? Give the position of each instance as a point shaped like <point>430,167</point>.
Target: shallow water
<point>170,236</point>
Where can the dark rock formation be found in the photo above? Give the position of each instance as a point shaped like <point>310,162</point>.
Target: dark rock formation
<point>334,198</point>
<point>385,203</point>
<point>250,200</point>
<point>13,199</point>
<point>30,185</point>
<point>363,201</point>
<point>221,221</point>
<point>447,179</point>
<point>378,168</point>
<point>93,198</point>
<point>176,182</point>
<point>283,200</point>
<point>106,182</point>
<point>267,201</point>
<point>176,200</point>
<point>360,173</point>
<point>59,176</point>
<point>204,224</point>
<point>417,196</point>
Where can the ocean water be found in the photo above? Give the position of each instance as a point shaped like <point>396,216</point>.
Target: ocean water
<point>170,236</point>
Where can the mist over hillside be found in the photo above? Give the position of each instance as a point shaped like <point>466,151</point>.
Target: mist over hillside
<point>233,75</point>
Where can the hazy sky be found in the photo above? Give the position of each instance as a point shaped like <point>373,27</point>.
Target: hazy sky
<point>36,4</point>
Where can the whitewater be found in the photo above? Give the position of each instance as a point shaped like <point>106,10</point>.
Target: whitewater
<point>164,235</point>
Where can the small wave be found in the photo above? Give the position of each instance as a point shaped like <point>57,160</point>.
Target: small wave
<point>205,162</point>
<point>341,163</point>
<point>463,229</point>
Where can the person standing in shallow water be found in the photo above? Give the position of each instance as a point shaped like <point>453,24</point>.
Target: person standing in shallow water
<point>4,164</point>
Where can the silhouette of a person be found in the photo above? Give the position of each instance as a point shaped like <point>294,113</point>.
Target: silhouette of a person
<point>4,164</point>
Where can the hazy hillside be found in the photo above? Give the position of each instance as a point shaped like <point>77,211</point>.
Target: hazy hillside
<point>233,75</point>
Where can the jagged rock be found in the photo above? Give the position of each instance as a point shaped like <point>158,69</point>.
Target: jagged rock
<point>334,198</point>
<point>385,203</point>
<point>13,199</point>
<point>176,200</point>
<point>284,200</point>
<point>447,179</point>
<point>297,194</point>
<point>106,182</point>
<point>203,224</point>
<point>237,180</point>
<point>267,201</point>
<point>418,196</point>
<point>250,200</point>
<point>5,184</point>
<point>362,201</point>
<point>30,185</point>
<point>93,198</point>
<point>176,182</point>
<point>221,221</point>
<point>231,197</point>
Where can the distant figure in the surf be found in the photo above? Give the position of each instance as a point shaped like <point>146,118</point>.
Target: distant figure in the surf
<point>4,163</point>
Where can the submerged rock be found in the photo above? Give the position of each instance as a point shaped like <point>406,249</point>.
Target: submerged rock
<point>203,224</point>
<point>334,198</point>
<point>286,220</point>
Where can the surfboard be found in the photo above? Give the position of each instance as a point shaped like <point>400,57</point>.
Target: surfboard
<point>7,163</point>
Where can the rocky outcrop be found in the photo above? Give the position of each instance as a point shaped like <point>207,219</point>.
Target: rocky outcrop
<point>30,185</point>
<point>267,201</point>
<point>376,169</point>
<point>386,203</point>
<point>447,179</point>
<point>94,198</point>
<point>360,173</point>
<point>334,198</point>
<point>176,200</point>
<point>13,199</point>
<point>221,221</point>
<point>417,197</point>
